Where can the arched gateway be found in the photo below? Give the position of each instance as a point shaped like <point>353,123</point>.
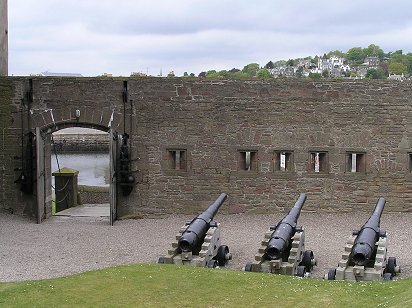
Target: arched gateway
<point>43,166</point>
<point>43,174</point>
<point>43,114</point>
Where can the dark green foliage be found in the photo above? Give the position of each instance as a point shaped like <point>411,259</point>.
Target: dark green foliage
<point>264,73</point>
<point>397,68</point>
<point>251,69</point>
<point>378,73</point>
<point>315,76</point>
<point>356,55</point>
<point>212,74</point>
<point>337,53</point>
<point>374,50</point>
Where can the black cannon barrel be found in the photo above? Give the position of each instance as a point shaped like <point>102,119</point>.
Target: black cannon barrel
<point>281,238</point>
<point>194,234</point>
<point>364,244</point>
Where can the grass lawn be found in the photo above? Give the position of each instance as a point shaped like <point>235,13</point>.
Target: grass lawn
<point>161,285</point>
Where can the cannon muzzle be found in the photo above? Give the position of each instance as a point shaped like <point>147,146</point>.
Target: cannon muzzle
<point>364,244</point>
<point>192,238</point>
<point>281,237</point>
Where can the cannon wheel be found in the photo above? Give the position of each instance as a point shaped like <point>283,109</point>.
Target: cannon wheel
<point>391,266</point>
<point>248,267</point>
<point>387,276</point>
<point>307,260</point>
<point>332,274</point>
<point>222,252</point>
<point>212,263</point>
<point>300,271</point>
<point>161,260</point>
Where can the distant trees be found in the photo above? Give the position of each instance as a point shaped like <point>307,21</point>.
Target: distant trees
<point>314,61</point>
<point>315,76</point>
<point>212,74</point>
<point>395,62</point>
<point>264,73</point>
<point>400,63</point>
<point>280,63</point>
<point>376,73</point>
<point>374,51</point>
<point>337,53</point>
<point>224,73</point>
<point>251,69</point>
<point>290,62</point>
<point>356,55</point>
<point>397,68</point>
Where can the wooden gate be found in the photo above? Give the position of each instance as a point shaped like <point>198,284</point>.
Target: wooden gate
<point>114,159</point>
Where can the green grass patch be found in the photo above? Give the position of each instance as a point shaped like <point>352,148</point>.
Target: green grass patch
<point>53,208</point>
<point>155,285</point>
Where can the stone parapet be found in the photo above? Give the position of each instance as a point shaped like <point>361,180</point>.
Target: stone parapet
<point>93,194</point>
<point>80,143</point>
<point>212,129</point>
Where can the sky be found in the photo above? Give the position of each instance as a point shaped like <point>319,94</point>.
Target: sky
<point>92,37</point>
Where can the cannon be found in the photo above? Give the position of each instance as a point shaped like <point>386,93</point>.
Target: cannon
<point>198,241</point>
<point>282,250</point>
<point>365,255</point>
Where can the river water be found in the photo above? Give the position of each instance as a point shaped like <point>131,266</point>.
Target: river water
<point>93,167</point>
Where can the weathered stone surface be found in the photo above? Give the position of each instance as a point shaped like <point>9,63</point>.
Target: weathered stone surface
<point>80,143</point>
<point>212,121</point>
<point>93,194</point>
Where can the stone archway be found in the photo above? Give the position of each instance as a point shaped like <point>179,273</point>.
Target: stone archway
<point>44,172</point>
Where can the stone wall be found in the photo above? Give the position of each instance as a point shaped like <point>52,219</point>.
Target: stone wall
<point>12,199</point>
<point>210,125</point>
<point>76,143</point>
<point>213,121</point>
<point>7,150</point>
<point>93,194</point>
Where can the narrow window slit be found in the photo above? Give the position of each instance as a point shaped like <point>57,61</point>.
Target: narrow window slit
<point>247,160</point>
<point>355,162</point>
<point>283,161</point>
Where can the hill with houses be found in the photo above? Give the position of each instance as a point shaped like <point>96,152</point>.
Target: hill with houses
<point>357,63</point>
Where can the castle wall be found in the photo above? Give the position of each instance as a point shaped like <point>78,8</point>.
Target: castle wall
<point>205,128</point>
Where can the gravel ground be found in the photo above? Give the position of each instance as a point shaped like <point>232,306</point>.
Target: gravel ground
<point>63,245</point>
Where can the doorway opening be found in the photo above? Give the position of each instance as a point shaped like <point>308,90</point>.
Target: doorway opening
<point>44,140</point>
<point>80,166</point>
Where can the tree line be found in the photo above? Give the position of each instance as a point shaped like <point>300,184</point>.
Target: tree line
<point>393,62</point>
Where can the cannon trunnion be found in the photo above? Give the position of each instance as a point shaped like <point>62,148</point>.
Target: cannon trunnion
<point>198,241</point>
<point>365,256</point>
<point>282,250</point>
